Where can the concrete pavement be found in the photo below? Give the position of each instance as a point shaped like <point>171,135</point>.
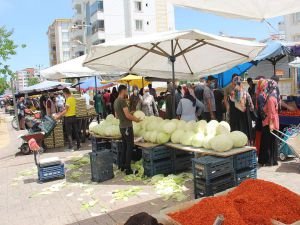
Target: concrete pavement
<point>77,201</point>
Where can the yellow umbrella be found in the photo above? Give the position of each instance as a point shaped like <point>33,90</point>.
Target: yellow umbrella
<point>134,80</point>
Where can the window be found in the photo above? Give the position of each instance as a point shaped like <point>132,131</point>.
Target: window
<point>139,25</point>
<point>65,36</point>
<point>98,26</point>
<point>100,41</point>
<point>138,6</point>
<point>96,6</point>
<point>66,55</point>
<point>65,45</point>
<point>297,18</point>
<point>65,26</point>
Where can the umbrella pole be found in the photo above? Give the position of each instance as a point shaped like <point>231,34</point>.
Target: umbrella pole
<point>173,59</point>
<point>95,85</point>
<point>79,85</point>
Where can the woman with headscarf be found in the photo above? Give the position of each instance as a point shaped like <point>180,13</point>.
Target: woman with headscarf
<point>270,121</point>
<point>189,106</point>
<point>240,104</point>
<point>260,98</point>
<point>148,104</point>
<point>134,100</point>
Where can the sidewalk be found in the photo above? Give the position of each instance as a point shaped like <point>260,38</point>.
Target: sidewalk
<point>77,201</point>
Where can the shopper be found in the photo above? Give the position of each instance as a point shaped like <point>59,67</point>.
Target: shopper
<point>178,95</point>
<point>268,148</point>
<point>51,105</point>
<point>123,114</point>
<point>87,97</point>
<point>60,102</point>
<point>99,105</point>
<point>148,104</point>
<point>227,92</point>
<point>189,107</point>
<point>134,100</point>
<point>240,105</point>
<point>43,100</point>
<point>199,89</point>
<point>69,114</point>
<point>251,89</point>
<point>170,114</point>
<point>209,99</point>
<point>106,98</point>
<point>220,106</point>
<point>113,97</point>
<point>260,101</point>
<point>152,91</point>
<point>21,113</point>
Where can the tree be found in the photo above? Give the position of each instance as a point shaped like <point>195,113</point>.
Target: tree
<point>33,81</point>
<point>3,85</point>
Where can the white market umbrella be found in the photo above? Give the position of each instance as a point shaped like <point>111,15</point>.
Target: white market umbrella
<point>45,86</point>
<point>243,9</point>
<point>69,69</point>
<point>193,53</point>
<point>295,63</point>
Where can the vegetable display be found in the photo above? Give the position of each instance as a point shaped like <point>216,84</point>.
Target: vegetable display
<point>213,135</point>
<point>251,203</point>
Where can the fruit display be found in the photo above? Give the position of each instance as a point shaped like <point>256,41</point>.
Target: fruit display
<point>106,128</point>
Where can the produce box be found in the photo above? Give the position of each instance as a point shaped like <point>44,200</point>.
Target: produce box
<point>116,148</point>
<point>101,166</point>
<point>182,163</point>
<point>204,188</point>
<point>245,160</point>
<point>91,111</point>
<point>49,141</point>
<point>164,166</point>
<point>98,144</point>
<point>156,153</point>
<point>210,167</point>
<point>243,175</point>
<point>81,109</point>
<point>59,140</point>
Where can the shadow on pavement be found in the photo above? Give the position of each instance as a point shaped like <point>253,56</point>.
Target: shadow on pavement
<point>292,166</point>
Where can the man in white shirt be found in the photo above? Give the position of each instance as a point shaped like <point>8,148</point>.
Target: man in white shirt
<point>87,97</point>
<point>60,102</point>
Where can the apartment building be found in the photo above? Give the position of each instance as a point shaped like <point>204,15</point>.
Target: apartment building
<point>97,21</point>
<point>59,41</point>
<point>291,27</point>
<point>23,77</point>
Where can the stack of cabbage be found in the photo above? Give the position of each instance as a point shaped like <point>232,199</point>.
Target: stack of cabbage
<point>107,128</point>
<point>212,135</point>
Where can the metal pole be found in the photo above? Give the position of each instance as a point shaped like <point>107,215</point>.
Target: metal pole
<point>78,79</point>
<point>173,59</point>
<point>15,102</point>
<point>95,85</point>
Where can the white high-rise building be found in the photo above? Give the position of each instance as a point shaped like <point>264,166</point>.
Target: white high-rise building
<point>97,21</point>
<point>291,27</point>
<point>59,41</point>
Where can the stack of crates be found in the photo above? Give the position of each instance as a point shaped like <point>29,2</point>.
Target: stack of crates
<point>98,144</point>
<point>81,109</point>
<point>91,111</point>
<point>58,134</point>
<point>157,160</point>
<point>49,141</point>
<point>116,148</point>
<point>245,166</point>
<point>212,175</point>
<point>182,160</point>
<point>101,165</point>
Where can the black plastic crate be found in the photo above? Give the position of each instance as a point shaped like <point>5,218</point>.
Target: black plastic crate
<point>182,163</point>
<point>159,167</point>
<point>99,144</point>
<point>244,175</point>
<point>102,166</point>
<point>210,167</point>
<point>245,160</point>
<point>180,153</point>
<point>156,153</point>
<point>211,187</point>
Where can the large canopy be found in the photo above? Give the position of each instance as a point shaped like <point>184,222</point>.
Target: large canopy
<point>89,84</point>
<point>69,69</point>
<point>195,53</point>
<point>133,80</point>
<point>45,86</point>
<point>245,9</point>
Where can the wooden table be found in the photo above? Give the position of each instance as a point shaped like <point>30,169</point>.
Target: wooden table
<point>146,145</point>
<point>105,138</point>
<point>204,151</point>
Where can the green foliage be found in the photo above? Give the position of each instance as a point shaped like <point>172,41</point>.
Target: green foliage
<point>33,81</point>
<point>3,85</point>
<point>7,49</point>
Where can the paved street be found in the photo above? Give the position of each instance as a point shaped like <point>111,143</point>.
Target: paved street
<point>75,200</point>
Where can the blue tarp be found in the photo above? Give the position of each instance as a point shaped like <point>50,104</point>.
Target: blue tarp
<point>271,52</point>
<point>89,84</point>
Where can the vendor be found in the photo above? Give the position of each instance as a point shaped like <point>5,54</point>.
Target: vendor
<point>69,114</point>
<point>123,114</point>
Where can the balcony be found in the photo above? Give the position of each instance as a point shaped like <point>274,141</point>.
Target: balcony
<point>77,34</point>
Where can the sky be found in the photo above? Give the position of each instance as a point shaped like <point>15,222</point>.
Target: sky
<point>30,20</point>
